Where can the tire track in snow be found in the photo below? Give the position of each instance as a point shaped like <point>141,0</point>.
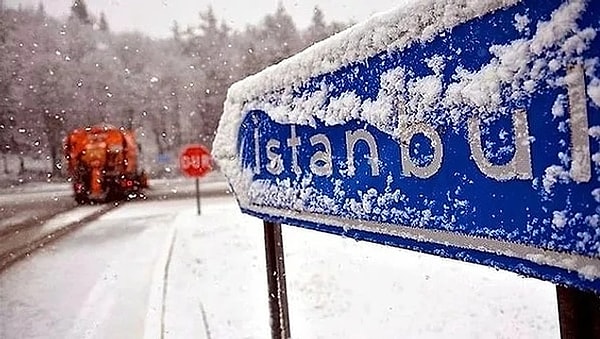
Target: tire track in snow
<point>166,284</point>
<point>155,316</point>
<point>96,318</point>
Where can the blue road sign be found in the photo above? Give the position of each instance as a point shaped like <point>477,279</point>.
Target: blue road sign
<point>468,130</point>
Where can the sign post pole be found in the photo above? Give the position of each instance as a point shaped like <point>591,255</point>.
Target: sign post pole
<point>198,194</point>
<point>578,313</point>
<point>278,306</point>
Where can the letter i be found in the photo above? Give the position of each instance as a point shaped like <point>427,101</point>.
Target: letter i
<point>256,147</point>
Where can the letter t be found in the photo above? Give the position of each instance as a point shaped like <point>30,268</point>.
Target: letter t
<point>294,142</point>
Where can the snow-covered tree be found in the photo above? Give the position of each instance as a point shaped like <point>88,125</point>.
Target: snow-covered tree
<point>279,36</point>
<point>20,131</point>
<point>176,30</point>
<point>103,24</point>
<point>41,11</point>
<point>79,11</point>
<point>212,54</point>
<point>56,76</point>
<point>319,29</point>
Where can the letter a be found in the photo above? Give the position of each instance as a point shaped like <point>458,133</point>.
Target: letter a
<point>321,163</point>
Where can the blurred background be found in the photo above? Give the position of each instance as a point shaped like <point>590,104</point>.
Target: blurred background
<point>58,73</point>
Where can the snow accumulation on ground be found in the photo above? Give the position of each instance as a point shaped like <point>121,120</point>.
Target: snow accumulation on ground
<point>537,69</point>
<point>157,269</point>
<point>338,287</point>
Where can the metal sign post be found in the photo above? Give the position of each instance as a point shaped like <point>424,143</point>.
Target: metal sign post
<point>578,313</point>
<point>278,305</point>
<point>198,194</point>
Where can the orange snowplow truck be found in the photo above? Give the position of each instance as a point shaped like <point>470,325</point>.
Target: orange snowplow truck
<point>103,164</point>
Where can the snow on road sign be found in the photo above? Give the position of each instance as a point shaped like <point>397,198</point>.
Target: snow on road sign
<point>465,129</point>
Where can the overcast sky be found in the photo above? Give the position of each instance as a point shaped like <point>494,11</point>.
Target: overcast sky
<point>155,17</point>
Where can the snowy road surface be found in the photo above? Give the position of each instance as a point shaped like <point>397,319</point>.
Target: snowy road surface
<point>155,267</point>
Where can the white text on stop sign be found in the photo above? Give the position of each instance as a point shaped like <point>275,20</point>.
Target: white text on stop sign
<point>195,161</point>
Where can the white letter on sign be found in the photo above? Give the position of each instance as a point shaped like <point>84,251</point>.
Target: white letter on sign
<point>196,161</point>
<point>256,148</point>
<point>408,167</point>
<point>581,168</point>
<point>294,142</point>
<point>321,163</point>
<point>351,139</point>
<point>519,166</point>
<point>275,165</point>
<point>185,162</point>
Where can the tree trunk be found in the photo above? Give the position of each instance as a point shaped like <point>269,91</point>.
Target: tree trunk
<point>177,124</point>
<point>56,163</point>
<point>6,171</point>
<point>21,165</point>
<point>159,145</point>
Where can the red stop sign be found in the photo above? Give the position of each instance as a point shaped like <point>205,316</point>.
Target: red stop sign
<point>195,161</point>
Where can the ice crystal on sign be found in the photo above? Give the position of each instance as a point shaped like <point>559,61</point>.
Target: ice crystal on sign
<point>594,132</point>
<point>596,194</point>
<point>559,219</point>
<point>593,91</point>
<point>558,108</point>
<point>521,22</point>
<point>436,63</point>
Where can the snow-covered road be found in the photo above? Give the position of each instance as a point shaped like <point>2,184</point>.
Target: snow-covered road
<point>107,280</point>
<point>93,284</point>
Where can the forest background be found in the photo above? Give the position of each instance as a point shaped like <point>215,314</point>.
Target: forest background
<point>59,75</point>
